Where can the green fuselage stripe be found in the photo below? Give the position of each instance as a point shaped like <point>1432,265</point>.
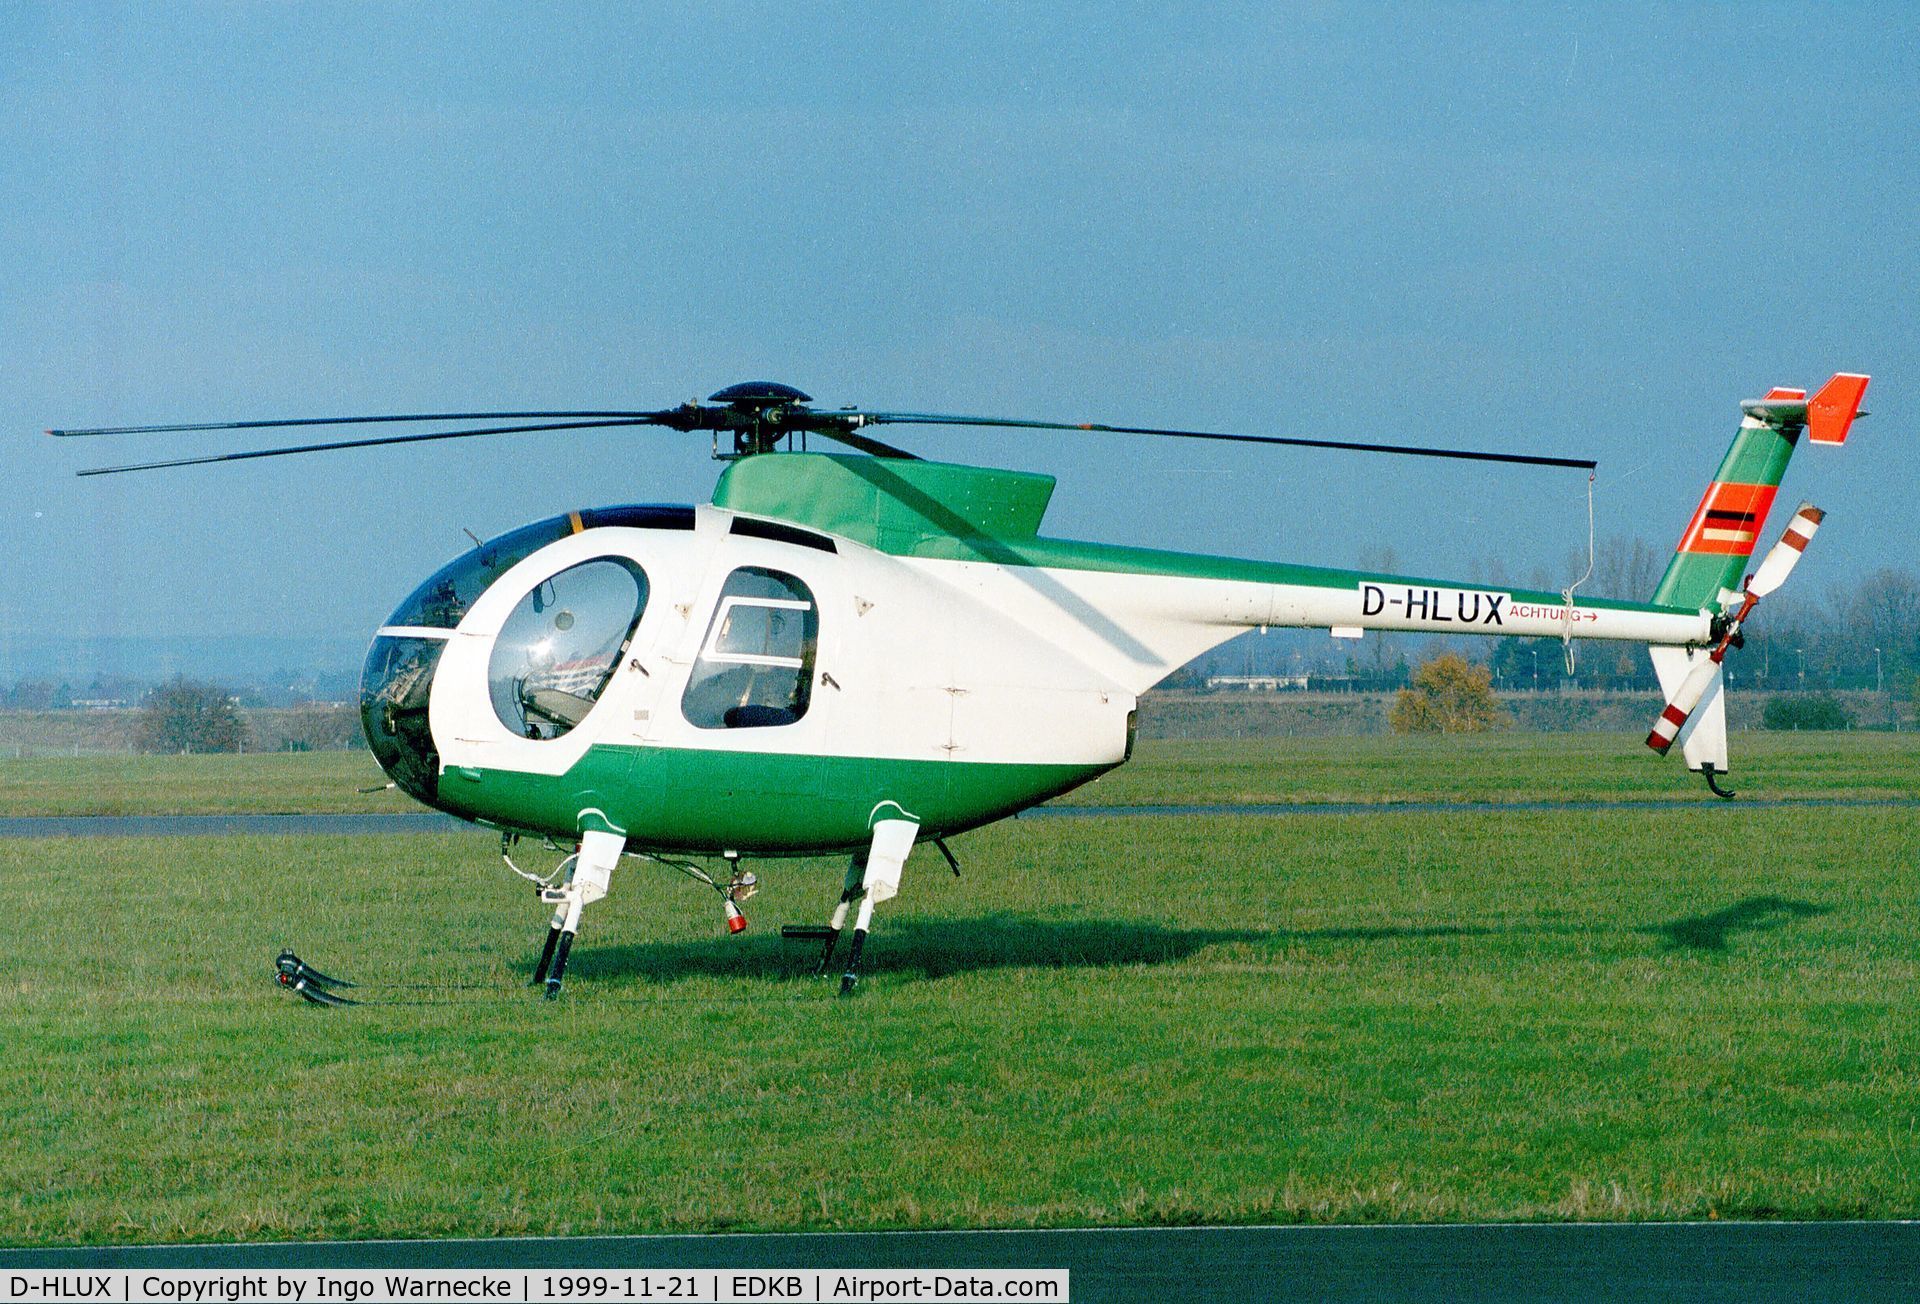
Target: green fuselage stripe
<point>697,800</point>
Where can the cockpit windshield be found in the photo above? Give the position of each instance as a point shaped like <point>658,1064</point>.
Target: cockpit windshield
<point>443,600</point>
<point>445,597</point>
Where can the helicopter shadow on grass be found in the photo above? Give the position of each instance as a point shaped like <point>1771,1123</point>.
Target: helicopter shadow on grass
<point>1756,914</point>
<point>939,948</point>
<point>924,948</point>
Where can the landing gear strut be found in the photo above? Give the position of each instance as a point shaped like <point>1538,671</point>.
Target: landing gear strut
<point>873,876</point>
<point>586,882</point>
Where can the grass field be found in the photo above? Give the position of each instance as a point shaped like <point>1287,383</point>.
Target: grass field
<point>1494,767</point>
<point>268,782</point>
<point>1708,1012</point>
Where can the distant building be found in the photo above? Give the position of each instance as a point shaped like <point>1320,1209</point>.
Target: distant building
<point>1305,682</point>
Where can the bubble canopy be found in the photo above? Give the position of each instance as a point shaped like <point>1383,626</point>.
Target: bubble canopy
<point>443,600</point>
<point>400,666</point>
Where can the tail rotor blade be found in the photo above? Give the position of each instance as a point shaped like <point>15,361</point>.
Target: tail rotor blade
<point>1786,554</point>
<point>1674,718</point>
<point>1772,574</point>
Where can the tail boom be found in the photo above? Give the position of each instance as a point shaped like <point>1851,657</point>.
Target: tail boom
<point>1720,537</point>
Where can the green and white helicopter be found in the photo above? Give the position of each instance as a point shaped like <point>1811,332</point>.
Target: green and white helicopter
<point>858,652</point>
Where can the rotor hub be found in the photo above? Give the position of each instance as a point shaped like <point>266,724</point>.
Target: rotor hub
<point>758,395</point>
<point>764,407</point>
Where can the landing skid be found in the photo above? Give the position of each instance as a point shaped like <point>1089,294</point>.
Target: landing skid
<point>1707,771</point>
<point>588,872</point>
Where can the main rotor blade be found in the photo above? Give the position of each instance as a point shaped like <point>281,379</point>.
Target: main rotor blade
<point>367,443</point>
<point>1410,450</point>
<point>342,421</point>
<point>863,444</point>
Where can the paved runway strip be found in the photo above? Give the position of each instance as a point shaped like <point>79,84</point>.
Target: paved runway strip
<point>1855,1261</point>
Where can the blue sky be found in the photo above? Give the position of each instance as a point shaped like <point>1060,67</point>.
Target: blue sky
<point>1576,230</point>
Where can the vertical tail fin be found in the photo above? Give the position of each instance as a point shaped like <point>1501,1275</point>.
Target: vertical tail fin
<point>1699,725</point>
<point>1830,413</point>
<point>1713,551</point>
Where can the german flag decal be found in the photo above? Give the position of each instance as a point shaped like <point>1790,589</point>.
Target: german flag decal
<point>1729,519</point>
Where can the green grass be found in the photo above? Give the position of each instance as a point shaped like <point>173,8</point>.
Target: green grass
<point>262,783</point>
<point>1496,767</point>
<point>1690,1014</point>
<point>1500,767</point>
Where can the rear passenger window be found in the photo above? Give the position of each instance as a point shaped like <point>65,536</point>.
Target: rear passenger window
<point>755,669</point>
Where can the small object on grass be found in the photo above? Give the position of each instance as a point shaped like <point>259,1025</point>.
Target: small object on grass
<point>307,982</point>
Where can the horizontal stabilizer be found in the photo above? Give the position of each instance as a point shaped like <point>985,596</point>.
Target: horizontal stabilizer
<point>1827,416</point>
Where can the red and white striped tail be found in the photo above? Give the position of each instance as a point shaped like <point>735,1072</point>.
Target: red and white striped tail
<point>1780,561</point>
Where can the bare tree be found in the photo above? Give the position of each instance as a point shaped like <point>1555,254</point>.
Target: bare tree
<point>184,715</point>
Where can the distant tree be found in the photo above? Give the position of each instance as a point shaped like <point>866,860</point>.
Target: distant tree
<point>32,695</point>
<point>183,715</point>
<point>1529,662</point>
<point>1449,694</point>
<point>1883,613</point>
<point>1622,568</point>
<point>1806,711</point>
<point>318,727</point>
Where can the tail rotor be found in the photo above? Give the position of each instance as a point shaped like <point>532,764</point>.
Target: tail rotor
<point>1705,671</point>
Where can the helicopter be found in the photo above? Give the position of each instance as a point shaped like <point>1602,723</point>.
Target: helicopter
<point>862,651</point>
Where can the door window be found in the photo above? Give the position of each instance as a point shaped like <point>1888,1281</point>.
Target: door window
<point>756,665</point>
<point>561,645</point>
